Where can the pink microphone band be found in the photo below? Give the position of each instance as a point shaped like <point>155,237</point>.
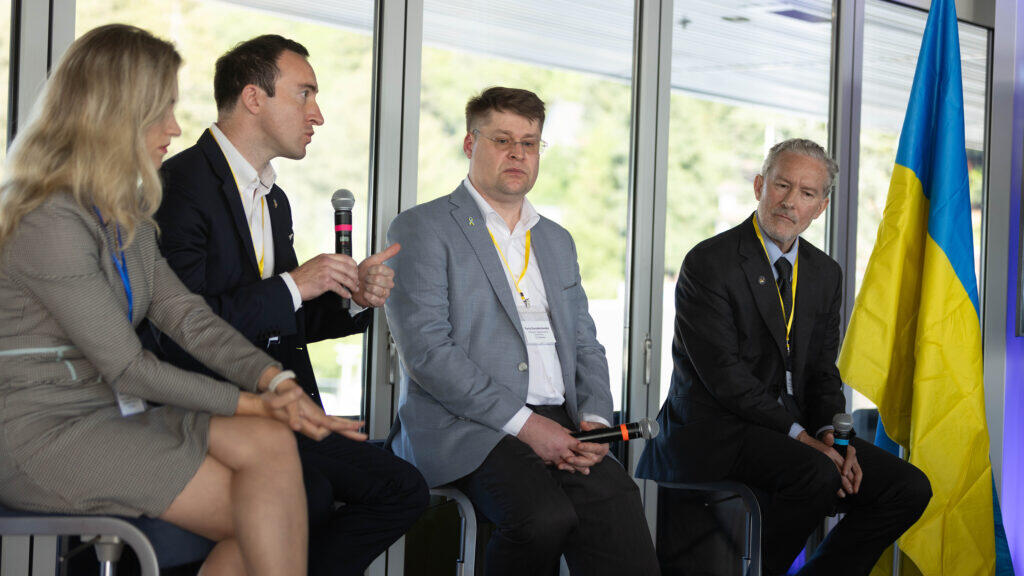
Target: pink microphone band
<point>342,227</point>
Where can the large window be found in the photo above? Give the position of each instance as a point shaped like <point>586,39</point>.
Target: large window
<point>744,77</point>
<point>5,68</point>
<point>892,40</point>
<point>341,55</point>
<point>579,62</point>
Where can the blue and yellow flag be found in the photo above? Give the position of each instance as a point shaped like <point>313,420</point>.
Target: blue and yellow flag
<point>914,341</point>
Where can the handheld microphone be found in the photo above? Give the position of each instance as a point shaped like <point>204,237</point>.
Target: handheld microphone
<point>342,201</point>
<point>644,428</point>
<point>842,425</point>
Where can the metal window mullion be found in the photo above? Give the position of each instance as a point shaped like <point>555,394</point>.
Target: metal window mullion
<point>844,143</point>
<point>30,51</point>
<point>648,176</point>
<point>1004,151</point>
<point>398,40</point>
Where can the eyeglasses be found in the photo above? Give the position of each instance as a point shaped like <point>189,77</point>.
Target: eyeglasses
<point>531,146</point>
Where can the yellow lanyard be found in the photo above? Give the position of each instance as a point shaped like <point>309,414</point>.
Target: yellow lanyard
<point>263,220</point>
<point>796,268</point>
<point>526,263</point>
<point>263,224</point>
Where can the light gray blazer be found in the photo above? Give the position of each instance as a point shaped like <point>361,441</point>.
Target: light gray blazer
<point>66,348</point>
<point>461,343</point>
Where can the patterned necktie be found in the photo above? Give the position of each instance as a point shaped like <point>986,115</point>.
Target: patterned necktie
<point>785,280</point>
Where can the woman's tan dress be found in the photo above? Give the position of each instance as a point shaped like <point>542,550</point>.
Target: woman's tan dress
<point>67,348</point>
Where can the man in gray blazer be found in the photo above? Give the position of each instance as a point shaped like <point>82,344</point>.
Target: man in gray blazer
<point>501,361</point>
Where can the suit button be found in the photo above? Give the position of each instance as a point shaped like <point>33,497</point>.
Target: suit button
<point>522,367</point>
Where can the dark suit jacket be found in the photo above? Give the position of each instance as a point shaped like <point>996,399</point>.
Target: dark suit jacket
<point>729,354</point>
<point>206,240</point>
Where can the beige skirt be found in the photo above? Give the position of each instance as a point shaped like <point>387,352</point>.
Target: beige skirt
<point>66,448</point>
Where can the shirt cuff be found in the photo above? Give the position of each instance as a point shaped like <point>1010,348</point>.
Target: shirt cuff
<point>354,308</point>
<point>294,289</point>
<point>795,430</point>
<point>823,429</point>
<point>516,423</point>
<point>586,417</point>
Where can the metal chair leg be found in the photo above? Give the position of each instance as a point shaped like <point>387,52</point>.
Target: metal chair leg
<point>108,552</point>
<point>466,562</point>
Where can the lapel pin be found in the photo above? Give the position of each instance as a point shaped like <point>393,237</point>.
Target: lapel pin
<point>471,222</point>
<point>274,200</point>
<point>761,280</point>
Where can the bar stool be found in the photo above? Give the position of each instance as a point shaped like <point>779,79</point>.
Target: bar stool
<point>752,522</point>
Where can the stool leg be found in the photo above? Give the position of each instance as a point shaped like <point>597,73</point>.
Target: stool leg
<point>108,552</point>
<point>748,530</point>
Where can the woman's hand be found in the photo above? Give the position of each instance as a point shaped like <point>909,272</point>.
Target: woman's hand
<point>306,417</point>
<point>290,404</point>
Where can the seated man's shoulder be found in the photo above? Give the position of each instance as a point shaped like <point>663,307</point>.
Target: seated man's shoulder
<point>711,250</point>
<point>554,228</point>
<point>183,170</point>
<point>427,214</point>
<point>182,161</point>
<point>823,260</point>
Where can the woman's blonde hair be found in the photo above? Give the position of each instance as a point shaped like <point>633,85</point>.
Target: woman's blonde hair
<point>89,134</point>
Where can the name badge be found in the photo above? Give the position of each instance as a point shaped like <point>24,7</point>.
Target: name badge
<point>537,327</point>
<point>789,382</point>
<point>130,404</point>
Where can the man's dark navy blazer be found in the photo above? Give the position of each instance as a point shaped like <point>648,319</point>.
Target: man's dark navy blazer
<point>729,354</point>
<point>206,240</point>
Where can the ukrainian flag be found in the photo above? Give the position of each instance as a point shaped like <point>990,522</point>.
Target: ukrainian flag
<point>914,341</point>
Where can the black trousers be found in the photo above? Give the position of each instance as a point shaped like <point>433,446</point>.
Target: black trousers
<point>382,496</point>
<point>596,521</point>
<point>797,488</point>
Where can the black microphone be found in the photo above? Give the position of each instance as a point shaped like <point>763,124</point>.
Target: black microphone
<point>842,431</point>
<point>343,200</point>
<point>644,428</point>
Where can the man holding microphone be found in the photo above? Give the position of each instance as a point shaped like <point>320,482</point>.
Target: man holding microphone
<point>226,230</point>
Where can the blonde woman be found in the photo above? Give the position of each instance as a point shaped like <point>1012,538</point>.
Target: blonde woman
<point>89,421</point>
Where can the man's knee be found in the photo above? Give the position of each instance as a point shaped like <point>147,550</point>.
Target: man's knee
<point>916,492</point>
<point>545,524</point>
<point>818,477</point>
<point>819,482</point>
<point>410,492</point>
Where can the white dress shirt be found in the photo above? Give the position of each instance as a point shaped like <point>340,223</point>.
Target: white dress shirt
<point>546,386</point>
<point>254,188</point>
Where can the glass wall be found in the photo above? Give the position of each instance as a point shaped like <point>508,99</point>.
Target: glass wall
<point>577,56</point>
<point>892,40</point>
<point>744,77</point>
<point>341,54</point>
<point>5,68</point>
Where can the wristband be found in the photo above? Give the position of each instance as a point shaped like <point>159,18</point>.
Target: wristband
<point>280,377</point>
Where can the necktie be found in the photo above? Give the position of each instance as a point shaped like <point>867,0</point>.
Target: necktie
<point>785,270</point>
<point>785,281</point>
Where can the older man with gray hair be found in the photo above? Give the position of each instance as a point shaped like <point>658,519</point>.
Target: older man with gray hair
<point>755,385</point>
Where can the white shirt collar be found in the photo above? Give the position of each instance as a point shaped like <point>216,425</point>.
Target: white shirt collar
<point>528,216</point>
<point>246,177</point>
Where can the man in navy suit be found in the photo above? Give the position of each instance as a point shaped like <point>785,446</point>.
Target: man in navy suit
<point>755,384</point>
<point>226,229</point>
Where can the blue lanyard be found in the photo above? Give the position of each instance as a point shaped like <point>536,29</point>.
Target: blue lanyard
<point>122,268</point>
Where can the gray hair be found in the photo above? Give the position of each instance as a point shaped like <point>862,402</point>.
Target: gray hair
<point>804,147</point>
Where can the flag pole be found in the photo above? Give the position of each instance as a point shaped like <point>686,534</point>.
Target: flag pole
<point>896,554</point>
